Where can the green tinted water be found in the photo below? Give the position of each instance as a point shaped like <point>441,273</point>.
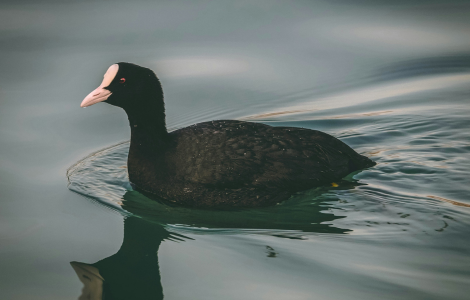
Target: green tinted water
<point>389,79</point>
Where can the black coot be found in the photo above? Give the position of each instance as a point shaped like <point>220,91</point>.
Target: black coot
<point>223,163</point>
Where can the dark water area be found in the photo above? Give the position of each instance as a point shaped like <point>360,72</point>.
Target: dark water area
<point>389,78</point>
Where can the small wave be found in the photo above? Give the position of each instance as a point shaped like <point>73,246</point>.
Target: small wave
<point>356,97</point>
<point>420,154</point>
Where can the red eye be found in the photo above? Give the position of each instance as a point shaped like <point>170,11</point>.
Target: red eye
<point>122,80</point>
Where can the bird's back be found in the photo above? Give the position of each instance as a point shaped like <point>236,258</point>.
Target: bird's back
<point>235,154</point>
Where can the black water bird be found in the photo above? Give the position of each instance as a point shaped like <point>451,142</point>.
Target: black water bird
<point>224,163</point>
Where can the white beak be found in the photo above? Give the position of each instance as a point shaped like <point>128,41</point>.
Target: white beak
<point>100,93</point>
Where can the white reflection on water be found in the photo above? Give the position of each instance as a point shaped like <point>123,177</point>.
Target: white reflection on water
<point>200,66</point>
<point>368,94</point>
<point>404,36</point>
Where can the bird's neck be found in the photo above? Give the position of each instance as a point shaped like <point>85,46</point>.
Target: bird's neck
<point>149,137</point>
<point>148,133</point>
<point>149,142</point>
<point>148,127</point>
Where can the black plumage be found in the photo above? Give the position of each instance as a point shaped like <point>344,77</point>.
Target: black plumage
<point>223,163</point>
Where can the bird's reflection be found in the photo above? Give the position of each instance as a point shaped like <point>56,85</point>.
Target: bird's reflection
<point>131,273</point>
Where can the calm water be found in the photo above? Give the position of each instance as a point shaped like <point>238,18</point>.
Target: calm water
<point>389,78</point>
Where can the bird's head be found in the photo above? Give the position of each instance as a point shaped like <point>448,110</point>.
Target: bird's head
<point>128,86</point>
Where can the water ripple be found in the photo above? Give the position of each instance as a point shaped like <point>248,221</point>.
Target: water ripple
<point>419,184</point>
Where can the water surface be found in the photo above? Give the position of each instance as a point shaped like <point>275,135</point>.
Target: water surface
<point>391,79</point>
